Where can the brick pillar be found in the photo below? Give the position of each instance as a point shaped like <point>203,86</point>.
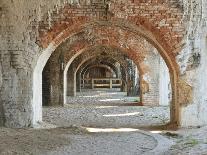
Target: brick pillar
<point>150,82</point>
<point>71,82</point>
<point>123,76</point>
<point>52,84</point>
<point>78,82</point>
<point>111,82</point>
<point>133,79</point>
<point>46,86</point>
<point>92,83</point>
<point>2,117</point>
<point>1,105</point>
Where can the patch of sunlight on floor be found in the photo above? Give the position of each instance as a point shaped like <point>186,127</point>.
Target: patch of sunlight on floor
<point>105,107</point>
<point>121,115</point>
<point>108,100</point>
<point>111,130</point>
<point>90,96</point>
<point>109,93</point>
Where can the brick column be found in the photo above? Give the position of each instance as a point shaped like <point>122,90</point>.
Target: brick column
<point>78,82</point>
<point>1,105</point>
<point>92,83</point>
<point>150,82</point>
<point>71,84</point>
<point>52,83</point>
<point>111,82</point>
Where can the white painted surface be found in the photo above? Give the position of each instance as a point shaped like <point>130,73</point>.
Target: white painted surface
<point>37,84</point>
<point>65,75</point>
<point>196,113</point>
<point>164,80</point>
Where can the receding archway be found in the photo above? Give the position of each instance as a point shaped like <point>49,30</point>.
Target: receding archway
<point>169,61</point>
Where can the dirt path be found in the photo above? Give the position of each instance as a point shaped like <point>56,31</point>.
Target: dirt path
<point>96,126</point>
<point>80,141</point>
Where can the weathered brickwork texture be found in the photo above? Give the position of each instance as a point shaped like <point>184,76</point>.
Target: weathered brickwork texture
<point>177,28</point>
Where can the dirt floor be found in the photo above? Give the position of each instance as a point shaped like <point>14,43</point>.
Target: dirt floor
<point>88,127</point>
<point>51,140</point>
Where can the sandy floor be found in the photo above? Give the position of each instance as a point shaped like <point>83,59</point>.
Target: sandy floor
<point>90,116</point>
<point>105,124</point>
<point>103,97</point>
<point>80,141</point>
<point>96,141</point>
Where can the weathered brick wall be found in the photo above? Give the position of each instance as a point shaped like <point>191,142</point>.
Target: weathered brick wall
<point>15,90</point>
<point>21,21</point>
<point>151,97</point>
<point>194,64</point>
<point>165,17</point>
<point>71,79</point>
<point>95,36</point>
<point>46,85</point>
<point>19,53</point>
<point>1,106</point>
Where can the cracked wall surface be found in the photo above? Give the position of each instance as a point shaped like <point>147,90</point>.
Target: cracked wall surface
<point>31,30</point>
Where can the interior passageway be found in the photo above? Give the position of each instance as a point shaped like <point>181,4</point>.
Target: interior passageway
<point>106,108</point>
<point>103,97</point>
<point>86,77</point>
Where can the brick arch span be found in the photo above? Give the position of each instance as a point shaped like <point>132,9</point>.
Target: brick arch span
<point>84,68</point>
<point>161,18</point>
<point>167,52</point>
<point>159,37</point>
<point>124,74</point>
<point>109,36</point>
<point>108,68</point>
<point>109,62</point>
<point>79,61</point>
<point>110,48</point>
<point>79,51</point>
<point>136,49</point>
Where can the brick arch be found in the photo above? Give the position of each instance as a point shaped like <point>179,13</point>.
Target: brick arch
<point>107,62</point>
<point>101,66</point>
<point>83,69</point>
<point>85,45</point>
<point>168,52</point>
<point>137,54</point>
<point>78,62</point>
<point>81,50</point>
<point>135,51</point>
<point>129,51</point>
<point>142,81</point>
<point>78,53</point>
<point>124,75</point>
<point>161,18</point>
<point>167,42</point>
